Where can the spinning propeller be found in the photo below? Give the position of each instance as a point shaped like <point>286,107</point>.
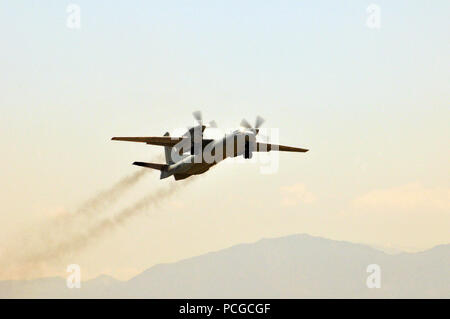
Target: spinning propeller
<point>198,116</point>
<point>255,129</point>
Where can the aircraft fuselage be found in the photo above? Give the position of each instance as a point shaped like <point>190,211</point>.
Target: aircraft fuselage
<point>205,157</point>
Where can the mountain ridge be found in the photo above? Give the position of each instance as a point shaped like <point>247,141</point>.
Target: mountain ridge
<point>294,266</point>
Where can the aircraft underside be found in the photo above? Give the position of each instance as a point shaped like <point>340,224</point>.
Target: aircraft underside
<point>196,169</point>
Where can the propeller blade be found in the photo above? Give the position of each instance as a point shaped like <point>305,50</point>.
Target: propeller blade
<point>198,116</point>
<point>259,121</point>
<point>246,124</point>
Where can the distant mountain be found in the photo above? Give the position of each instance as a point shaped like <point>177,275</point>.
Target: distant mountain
<point>298,266</point>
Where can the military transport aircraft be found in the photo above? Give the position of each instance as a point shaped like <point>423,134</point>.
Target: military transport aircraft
<point>191,154</point>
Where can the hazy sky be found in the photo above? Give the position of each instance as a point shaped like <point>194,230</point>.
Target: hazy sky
<point>372,105</point>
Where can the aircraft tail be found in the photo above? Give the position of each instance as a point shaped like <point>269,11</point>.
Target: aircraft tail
<point>168,151</point>
<point>161,167</point>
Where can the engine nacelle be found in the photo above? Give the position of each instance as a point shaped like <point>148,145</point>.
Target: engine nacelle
<point>248,152</point>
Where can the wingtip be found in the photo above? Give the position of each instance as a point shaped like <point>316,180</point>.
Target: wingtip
<point>143,164</point>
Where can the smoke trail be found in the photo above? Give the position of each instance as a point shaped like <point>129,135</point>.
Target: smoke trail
<point>106,198</point>
<point>88,212</point>
<point>70,239</point>
<point>92,209</point>
<point>77,241</point>
<point>110,195</point>
<point>61,229</point>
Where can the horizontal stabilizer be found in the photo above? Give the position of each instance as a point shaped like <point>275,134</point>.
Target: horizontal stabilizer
<point>160,167</point>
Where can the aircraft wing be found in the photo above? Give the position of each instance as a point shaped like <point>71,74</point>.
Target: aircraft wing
<point>153,140</point>
<point>160,140</point>
<point>264,147</point>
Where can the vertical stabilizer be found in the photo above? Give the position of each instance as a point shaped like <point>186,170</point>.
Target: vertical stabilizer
<point>168,151</point>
